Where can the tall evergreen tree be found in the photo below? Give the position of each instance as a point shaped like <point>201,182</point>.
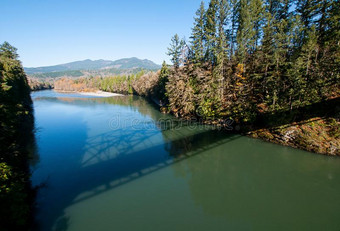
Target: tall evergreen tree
<point>232,31</point>
<point>8,51</point>
<point>307,10</point>
<point>163,80</point>
<point>248,33</point>
<point>210,32</point>
<point>197,37</point>
<point>222,48</point>
<point>175,50</point>
<point>271,61</point>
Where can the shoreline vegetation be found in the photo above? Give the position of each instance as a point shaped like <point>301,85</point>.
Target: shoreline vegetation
<point>17,143</point>
<point>314,128</point>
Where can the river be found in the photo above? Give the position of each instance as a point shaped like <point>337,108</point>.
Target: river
<point>117,163</point>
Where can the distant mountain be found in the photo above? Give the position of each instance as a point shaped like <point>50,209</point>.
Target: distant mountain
<point>87,73</point>
<point>88,64</point>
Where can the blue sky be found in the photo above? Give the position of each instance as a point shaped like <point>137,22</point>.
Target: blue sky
<point>49,32</point>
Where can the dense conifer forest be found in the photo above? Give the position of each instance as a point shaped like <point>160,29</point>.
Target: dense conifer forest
<point>251,56</point>
<point>16,142</point>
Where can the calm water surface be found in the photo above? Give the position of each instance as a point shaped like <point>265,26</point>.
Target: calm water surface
<point>107,164</point>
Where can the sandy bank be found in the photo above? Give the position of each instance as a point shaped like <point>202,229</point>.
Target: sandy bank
<point>100,94</point>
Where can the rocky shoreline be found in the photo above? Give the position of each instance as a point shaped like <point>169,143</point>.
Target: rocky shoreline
<point>318,135</point>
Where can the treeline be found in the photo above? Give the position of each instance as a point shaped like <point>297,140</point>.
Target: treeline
<point>80,84</point>
<point>36,84</point>
<point>251,56</point>
<point>107,72</point>
<point>16,139</point>
<point>143,83</point>
<point>58,74</point>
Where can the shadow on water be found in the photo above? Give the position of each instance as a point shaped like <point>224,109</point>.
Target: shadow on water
<point>94,164</point>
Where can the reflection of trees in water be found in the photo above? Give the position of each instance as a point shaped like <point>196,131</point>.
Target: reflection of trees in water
<point>136,103</point>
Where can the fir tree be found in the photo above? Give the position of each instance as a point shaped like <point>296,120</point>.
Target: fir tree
<point>248,33</point>
<point>176,50</point>
<point>197,37</point>
<point>222,48</point>
<point>8,51</point>
<point>210,32</point>
<point>232,31</point>
<point>163,80</point>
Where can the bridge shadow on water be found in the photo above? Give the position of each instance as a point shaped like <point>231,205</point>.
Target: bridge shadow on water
<point>120,156</point>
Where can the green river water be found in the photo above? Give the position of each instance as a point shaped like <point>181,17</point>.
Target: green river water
<point>114,164</point>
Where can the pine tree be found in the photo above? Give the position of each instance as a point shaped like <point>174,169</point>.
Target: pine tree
<point>307,10</point>
<point>315,67</point>
<point>330,62</point>
<point>272,60</point>
<point>232,31</point>
<point>176,50</point>
<point>257,17</point>
<point>222,48</point>
<point>210,32</point>
<point>8,51</point>
<point>248,33</point>
<point>197,37</point>
<point>163,80</point>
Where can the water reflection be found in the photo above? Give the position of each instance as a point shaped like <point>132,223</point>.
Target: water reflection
<point>109,154</point>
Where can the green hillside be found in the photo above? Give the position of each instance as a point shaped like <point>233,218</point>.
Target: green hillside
<point>78,68</point>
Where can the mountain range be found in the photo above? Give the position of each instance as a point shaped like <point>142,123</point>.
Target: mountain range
<point>90,67</point>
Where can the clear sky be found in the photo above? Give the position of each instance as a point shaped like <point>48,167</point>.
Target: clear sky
<point>50,32</point>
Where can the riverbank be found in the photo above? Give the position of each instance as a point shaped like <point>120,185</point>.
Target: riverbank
<point>311,127</point>
<point>97,93</point>
<point>315,128</point>
<point>100,94</point>
<point>318,135</point>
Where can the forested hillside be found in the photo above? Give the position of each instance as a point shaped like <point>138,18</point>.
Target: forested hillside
<point>270,66</point>
<point>16,139</point>
<point>88,68</point>
<point>248,56</point>
<point>88,64</point>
